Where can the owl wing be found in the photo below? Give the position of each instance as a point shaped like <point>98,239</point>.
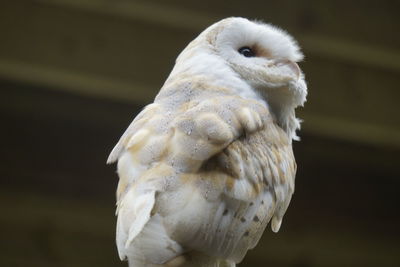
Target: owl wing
<point>140,121</point>
<point>222,161</point>
<point>239,168</point>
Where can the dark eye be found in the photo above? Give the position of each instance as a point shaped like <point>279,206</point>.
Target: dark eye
<point>246,51</point>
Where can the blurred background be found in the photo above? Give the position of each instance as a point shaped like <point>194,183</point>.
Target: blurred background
<point>74,73</point>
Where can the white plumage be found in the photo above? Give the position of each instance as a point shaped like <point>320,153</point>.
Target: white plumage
<point>205,167</point>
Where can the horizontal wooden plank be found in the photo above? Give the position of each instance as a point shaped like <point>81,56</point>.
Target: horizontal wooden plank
<point>76,82</point>
<point>190,19</point>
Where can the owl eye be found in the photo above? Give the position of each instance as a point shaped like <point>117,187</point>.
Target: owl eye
<point>246,51</point>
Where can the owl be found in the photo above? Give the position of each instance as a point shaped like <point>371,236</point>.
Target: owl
<point>205,167</point>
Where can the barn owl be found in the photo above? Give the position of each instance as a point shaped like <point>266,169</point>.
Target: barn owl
<point>206,166</point>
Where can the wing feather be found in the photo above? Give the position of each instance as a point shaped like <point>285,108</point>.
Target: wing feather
<point>226,170</point>
<point>138,123</point>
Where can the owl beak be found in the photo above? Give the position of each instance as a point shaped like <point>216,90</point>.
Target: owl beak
<point>289,67</point>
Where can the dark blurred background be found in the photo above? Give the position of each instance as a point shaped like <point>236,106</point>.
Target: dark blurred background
<point>74,73</point>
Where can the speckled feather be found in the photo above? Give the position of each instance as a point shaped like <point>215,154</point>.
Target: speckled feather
<point>205,167</point>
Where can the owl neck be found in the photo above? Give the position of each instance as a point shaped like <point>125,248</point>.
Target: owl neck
<point>282,103</point>
<point>286,119</point>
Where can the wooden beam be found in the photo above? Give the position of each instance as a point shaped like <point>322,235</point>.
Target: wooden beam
<point>187,19</point>
<point>351,130</point>
<point>76,82</point>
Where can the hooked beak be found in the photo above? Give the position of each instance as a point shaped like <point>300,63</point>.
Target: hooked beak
<point>289,67</point>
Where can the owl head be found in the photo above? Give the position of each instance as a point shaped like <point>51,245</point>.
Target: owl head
<point>243,54</point>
